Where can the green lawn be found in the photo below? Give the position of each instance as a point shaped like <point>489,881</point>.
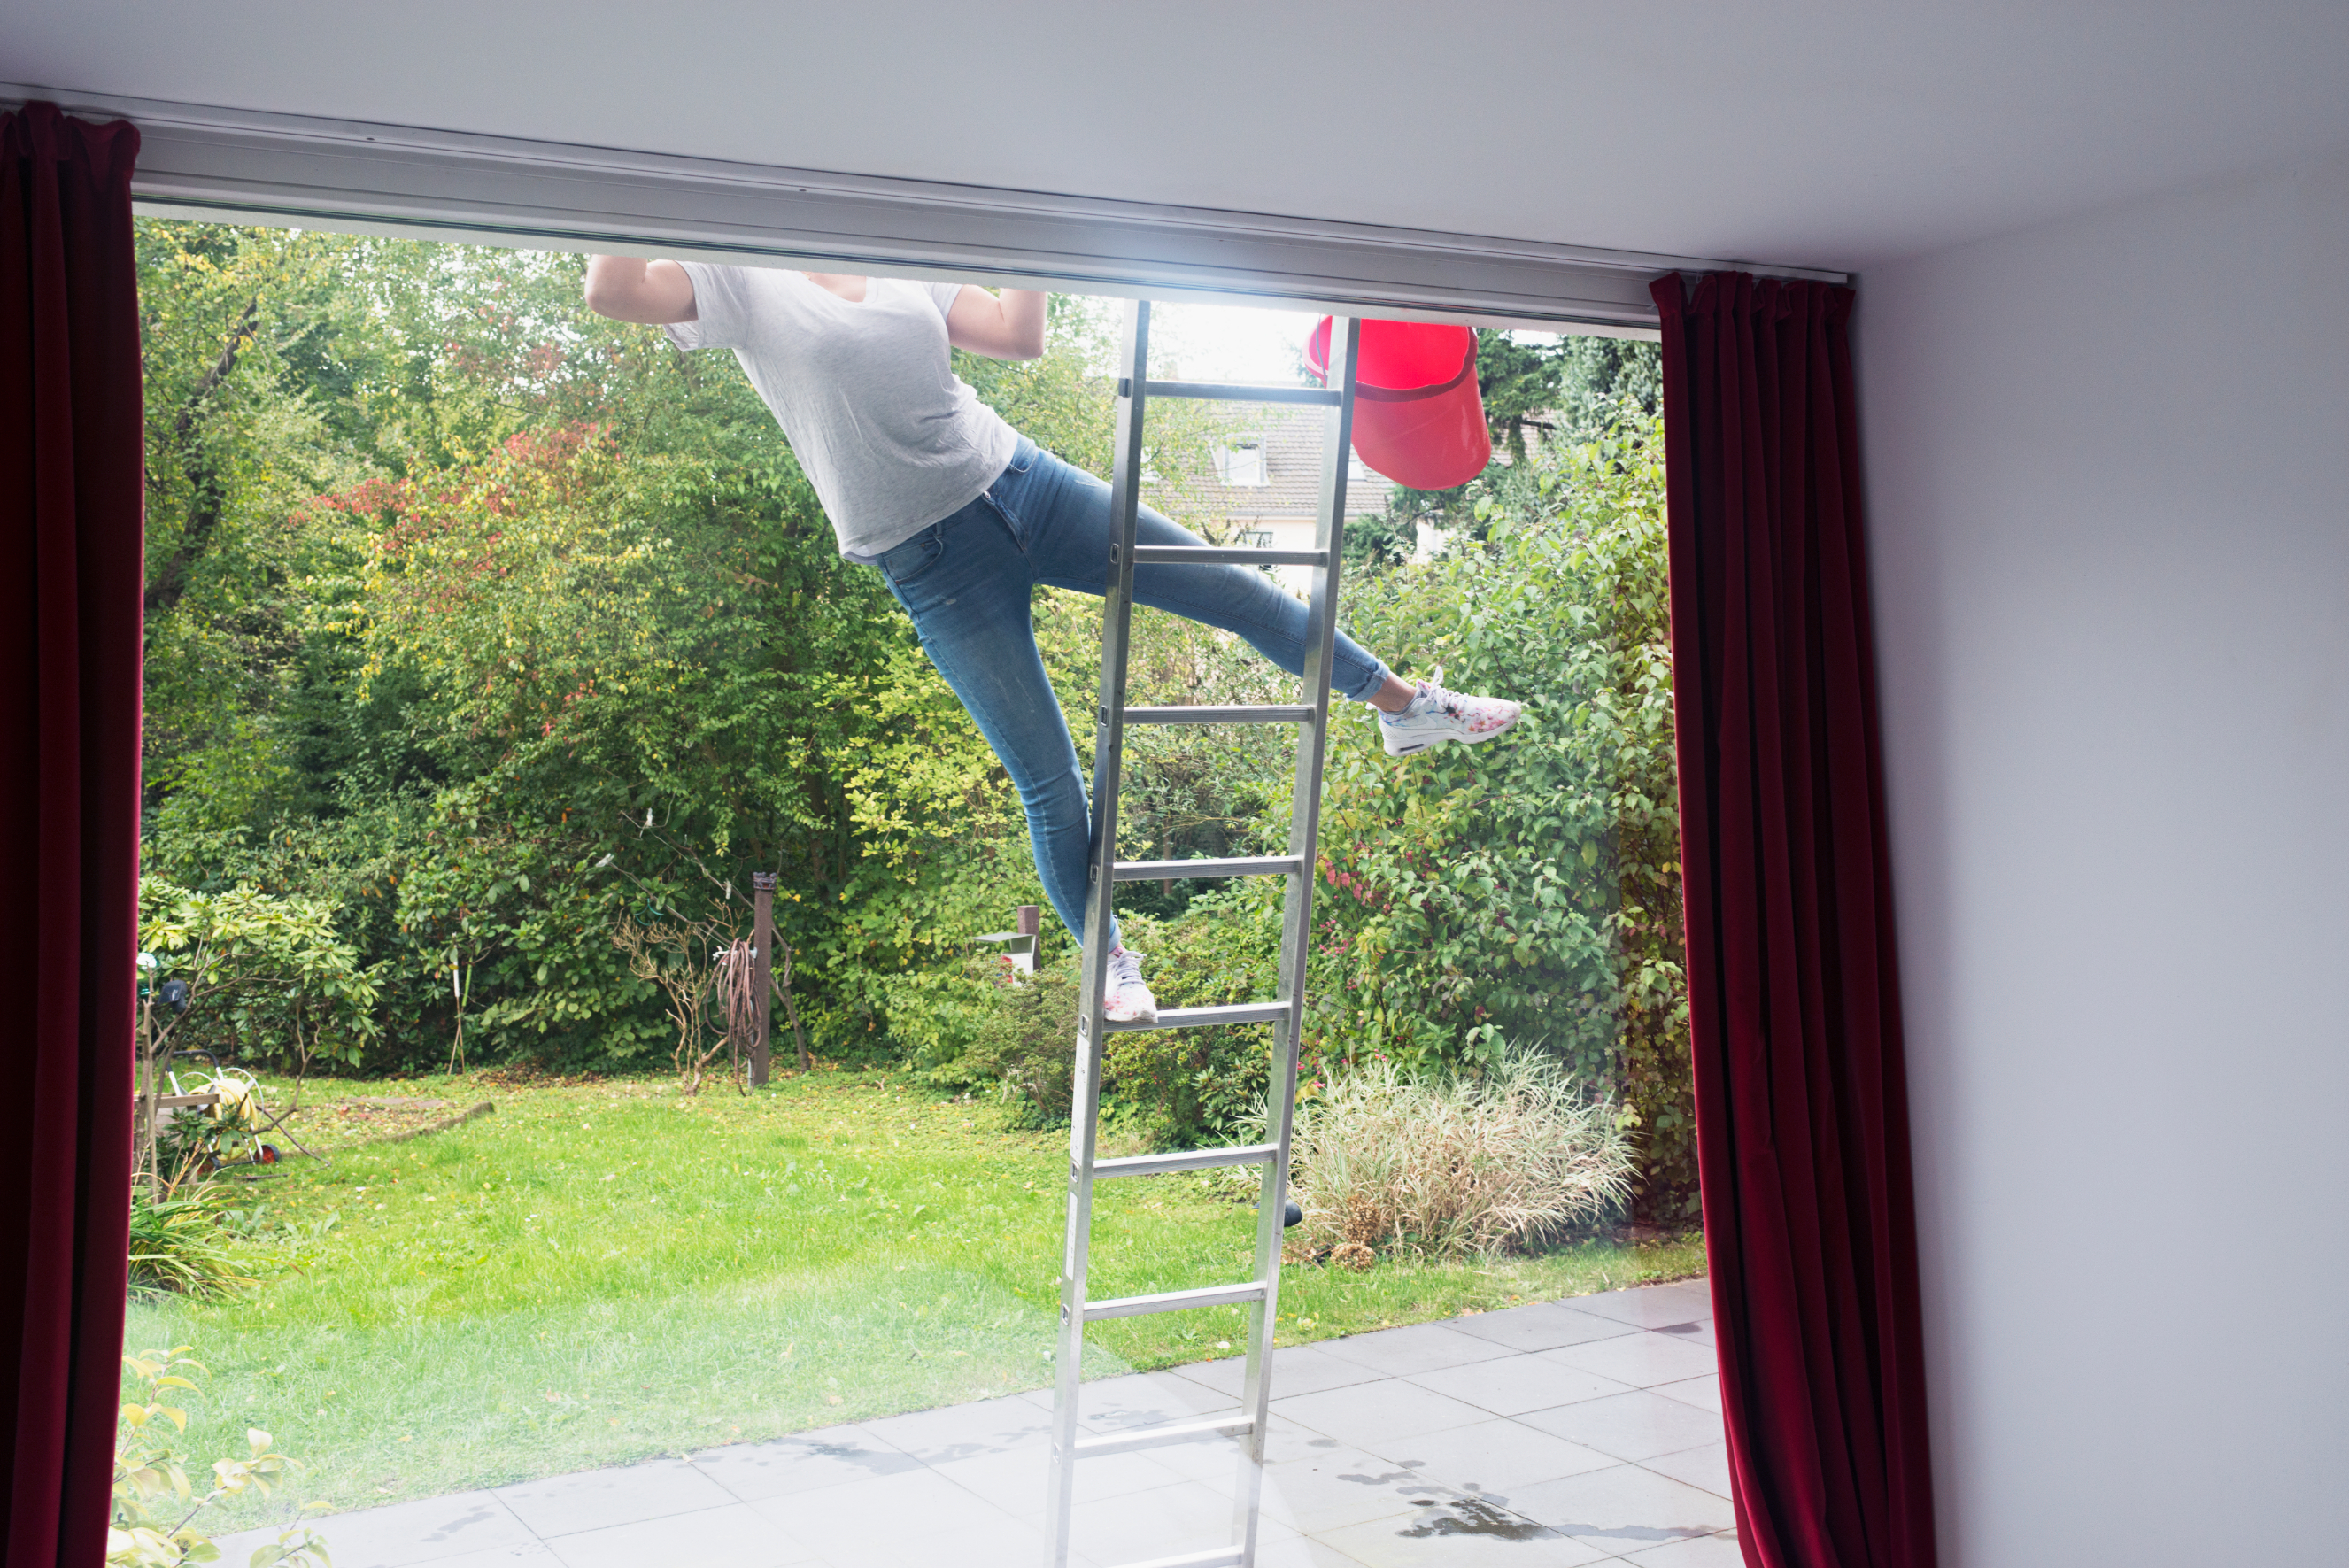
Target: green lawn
<point>601,1272</point>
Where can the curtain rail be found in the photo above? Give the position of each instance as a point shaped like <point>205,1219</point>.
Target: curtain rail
<point>234,165</point>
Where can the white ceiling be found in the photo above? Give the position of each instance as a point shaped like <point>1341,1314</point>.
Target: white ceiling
<point>1837,133</point>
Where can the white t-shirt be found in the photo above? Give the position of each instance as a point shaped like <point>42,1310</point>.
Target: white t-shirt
<point>891,437</point>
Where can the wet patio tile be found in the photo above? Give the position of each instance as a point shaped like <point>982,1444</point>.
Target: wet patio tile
<point>1493,1456</point>
<point>1625,1508</point>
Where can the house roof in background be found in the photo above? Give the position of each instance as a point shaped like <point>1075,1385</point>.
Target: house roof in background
<point>1291,439</point>
<point>1836,133</point>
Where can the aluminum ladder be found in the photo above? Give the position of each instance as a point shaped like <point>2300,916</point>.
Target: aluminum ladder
<point>1310,714</point>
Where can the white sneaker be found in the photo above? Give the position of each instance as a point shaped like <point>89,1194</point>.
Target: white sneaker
<point>1130,1001</point>
<point>1436,716</point>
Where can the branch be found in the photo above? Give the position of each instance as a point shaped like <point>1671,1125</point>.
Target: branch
<point>208,502</point>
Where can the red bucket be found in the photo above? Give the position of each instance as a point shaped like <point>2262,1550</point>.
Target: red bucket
<point>1418,417</point>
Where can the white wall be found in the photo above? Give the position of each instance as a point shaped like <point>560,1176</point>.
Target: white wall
<point>2108,475</point>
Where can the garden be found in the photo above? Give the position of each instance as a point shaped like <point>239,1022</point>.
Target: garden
<point>494,646</point>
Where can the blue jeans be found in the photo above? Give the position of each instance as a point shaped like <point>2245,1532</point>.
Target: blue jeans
<point>967,581</point>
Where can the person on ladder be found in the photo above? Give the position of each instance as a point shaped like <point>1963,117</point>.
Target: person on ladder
<point>966,518</point>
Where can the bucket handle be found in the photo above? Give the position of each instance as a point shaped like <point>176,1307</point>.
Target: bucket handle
<point>1414,393</point>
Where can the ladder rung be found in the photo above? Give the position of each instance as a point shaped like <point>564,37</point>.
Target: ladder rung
<point>1232,391</point>
<point>1216,1557</point>
<point>1224,555</point>
<point>1238,866</point>
<point>1175,1300</point>
<point>1257,713</point>
<point>1208,1018</point>
<point>1189,1160</point>
<point>1166,1432</point>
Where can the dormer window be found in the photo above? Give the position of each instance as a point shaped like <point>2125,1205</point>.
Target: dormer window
<point>1241,464</point>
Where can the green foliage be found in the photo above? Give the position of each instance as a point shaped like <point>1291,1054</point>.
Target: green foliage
<point>1526,890</point>
<point>156,1505</point>
<point>267,976</point>
<point>512,619</point>
<point>177,1243</point>
<point>479,624</point>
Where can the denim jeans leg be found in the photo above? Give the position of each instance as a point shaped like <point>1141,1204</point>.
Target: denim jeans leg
<point>1067,530</point>
<point>966,583</point>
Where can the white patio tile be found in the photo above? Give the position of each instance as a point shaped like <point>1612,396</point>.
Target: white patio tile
<point>465,1529</point>
<point>1016,1483</point>
<point>1307,1370</point>
<point>1543,1327</point>
<point>966,1431</point>
<point>535,1555</point>
<point>1706,1466</point>
<point>1421,1347</point>
<point>736,1534</point>
<point>1637,1424</point>
<point>1184,1517</point>
<point>1299,1554</point>
<point>831,1519</point>
<point>430,1530</point>
<point>1639,1360</point>
<point>1704,1393</point>
<point>1702,1551</point>
<point>1001,1542</point>
<point>1651,1306</point>
<point>1147,1399</point>
<point>593,1500</point>
<point>1371,1415</point>
<point>833,1457</point>
<point>1215,1461</point>
<point>1515,1384</point>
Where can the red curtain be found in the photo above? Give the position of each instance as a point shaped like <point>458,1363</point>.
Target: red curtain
<point>1794,995</point>
<point>70,547</point>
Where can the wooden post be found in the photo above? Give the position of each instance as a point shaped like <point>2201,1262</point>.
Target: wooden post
<point>763,967</point>
<point>1031,925</point>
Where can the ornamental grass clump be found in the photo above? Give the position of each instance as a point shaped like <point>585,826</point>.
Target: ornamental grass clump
<point>177,1243</point>
<point>1453,1167</point>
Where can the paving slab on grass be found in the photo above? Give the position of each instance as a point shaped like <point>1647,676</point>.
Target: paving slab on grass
<point>1552,1436</point>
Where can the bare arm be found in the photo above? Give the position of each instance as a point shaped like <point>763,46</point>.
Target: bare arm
<point>629,288</point>
<point>1008,327</point>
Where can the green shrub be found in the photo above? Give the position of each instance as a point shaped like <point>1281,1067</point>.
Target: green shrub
<point>1452,1166</point>
<point>153,1525</point>
<point>1166,1088</point>
<point>1529,889</point>
<point>177,1243</point>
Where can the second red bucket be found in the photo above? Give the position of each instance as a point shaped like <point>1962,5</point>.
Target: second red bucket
<point>1418,417</point>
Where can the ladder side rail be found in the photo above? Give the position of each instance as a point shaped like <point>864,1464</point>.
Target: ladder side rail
<point>1297,922</point>
<point>1108,737</point>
